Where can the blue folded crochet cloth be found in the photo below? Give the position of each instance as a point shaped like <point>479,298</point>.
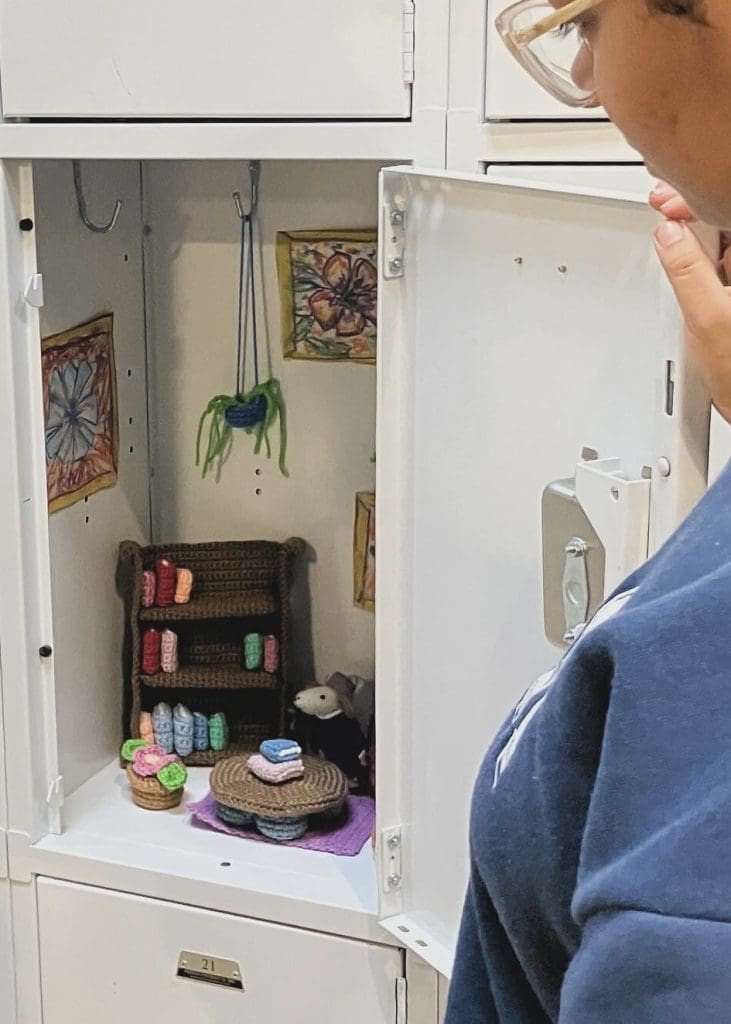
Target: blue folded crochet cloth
<point>279,751</point>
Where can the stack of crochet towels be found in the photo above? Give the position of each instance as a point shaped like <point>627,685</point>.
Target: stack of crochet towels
<point>277,761</point>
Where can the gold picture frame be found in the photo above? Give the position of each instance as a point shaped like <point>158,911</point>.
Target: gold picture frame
<point>364,551</point>
<point>327,288</point>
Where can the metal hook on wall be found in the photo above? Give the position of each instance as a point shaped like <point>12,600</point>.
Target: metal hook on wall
<point>254,174</point>
<point>99,229</point>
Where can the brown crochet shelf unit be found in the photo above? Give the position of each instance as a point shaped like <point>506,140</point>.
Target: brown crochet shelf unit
<point>239,587</point>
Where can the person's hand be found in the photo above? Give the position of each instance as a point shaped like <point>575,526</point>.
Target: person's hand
<point>699,285</point>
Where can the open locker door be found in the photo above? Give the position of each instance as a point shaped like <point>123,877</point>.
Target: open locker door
<point>533,393</point>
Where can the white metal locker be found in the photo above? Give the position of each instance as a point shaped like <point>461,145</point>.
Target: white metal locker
<point>280,59</point>
<point>115,953</point>
<point>528,323</point>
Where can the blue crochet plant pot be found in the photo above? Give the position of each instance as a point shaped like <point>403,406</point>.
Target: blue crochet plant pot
<point>247,414</point>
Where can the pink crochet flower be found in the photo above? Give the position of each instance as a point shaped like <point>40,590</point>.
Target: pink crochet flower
<point>149,760</point>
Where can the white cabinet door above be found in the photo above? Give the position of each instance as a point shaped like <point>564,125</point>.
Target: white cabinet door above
<point>224,59</point>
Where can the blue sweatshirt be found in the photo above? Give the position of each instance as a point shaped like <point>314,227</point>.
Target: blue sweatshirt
<point>600,890</point>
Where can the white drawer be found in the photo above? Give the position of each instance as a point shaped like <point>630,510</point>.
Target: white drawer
<point>110,956</point>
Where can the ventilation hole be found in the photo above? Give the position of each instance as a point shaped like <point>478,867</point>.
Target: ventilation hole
<point>131,449</point>
<point>129,373</point>
<point>258,490</point>
<point>130,421</point>
<point>86,500</point>
<point>225,863</point>
<point>420,942</point>
<point>615,493</point>
<point>258,472</point>
<point>86,519</point>
<point>126,257</point>
<point>403,928</point>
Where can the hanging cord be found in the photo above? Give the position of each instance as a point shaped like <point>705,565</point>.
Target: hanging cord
<point>223,409</point>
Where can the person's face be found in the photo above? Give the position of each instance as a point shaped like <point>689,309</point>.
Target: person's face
<point>662,71</point>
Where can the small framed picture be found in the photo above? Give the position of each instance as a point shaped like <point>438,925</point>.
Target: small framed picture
<point>364,551</point>
<point>328,285</point>
<point>80,405</point>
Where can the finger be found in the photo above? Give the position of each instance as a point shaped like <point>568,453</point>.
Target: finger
<point>668,201</point>
<point>691,272</point>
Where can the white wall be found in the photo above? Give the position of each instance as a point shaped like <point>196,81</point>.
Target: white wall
<point>87,274</point>
<point>192,282</point>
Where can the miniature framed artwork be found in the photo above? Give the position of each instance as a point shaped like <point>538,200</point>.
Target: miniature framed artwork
<point>80,406</point>
<point>364,551</point>
<point>328,285</point>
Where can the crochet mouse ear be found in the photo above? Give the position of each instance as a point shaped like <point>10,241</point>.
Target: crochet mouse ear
<point>342,685</point>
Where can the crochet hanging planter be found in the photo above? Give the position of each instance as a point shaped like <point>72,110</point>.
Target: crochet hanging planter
<point>258,409</point>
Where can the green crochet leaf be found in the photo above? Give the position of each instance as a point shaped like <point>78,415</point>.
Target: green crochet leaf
<point>172,776</point>
<point>130,748</point>
<point>220,433</point>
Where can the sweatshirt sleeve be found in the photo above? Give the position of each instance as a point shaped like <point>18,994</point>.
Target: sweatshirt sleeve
<point>653,892</point>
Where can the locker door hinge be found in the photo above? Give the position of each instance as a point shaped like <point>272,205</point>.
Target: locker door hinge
<point>408,42</point>
<point>391,873</point>
<point>402,1011</point>
<point>393,233</point>
<point>54,796</point>
<point>33,293</point>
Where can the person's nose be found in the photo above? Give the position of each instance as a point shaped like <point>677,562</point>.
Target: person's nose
<point>582,70</point>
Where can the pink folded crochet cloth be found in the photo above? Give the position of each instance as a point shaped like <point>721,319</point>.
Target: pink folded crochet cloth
<point>268,772</point>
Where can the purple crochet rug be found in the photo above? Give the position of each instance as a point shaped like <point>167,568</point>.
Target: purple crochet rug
<point>346,839</point>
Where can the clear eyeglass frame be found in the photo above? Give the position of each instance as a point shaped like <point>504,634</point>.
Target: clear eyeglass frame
<point>546,41</point>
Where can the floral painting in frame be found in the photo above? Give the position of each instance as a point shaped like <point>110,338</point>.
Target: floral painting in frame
<point>80,405</point>
<point>364,551</point>
<point>328,284</point>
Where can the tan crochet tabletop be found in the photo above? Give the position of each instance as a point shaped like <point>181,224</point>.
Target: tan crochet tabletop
<point>323,788</point>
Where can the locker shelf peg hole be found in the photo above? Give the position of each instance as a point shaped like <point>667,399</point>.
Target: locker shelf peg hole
<point>518,261</point>
<point>563,269</point>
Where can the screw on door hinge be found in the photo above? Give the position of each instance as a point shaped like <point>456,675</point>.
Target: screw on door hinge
<point>45,651</point>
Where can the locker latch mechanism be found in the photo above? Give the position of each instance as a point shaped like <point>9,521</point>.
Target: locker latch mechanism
<point>575,588</point>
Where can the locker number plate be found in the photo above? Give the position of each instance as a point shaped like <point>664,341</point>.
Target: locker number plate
<point>210,969</point>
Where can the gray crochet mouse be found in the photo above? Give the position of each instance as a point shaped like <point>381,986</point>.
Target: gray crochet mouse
<point>336,730</point>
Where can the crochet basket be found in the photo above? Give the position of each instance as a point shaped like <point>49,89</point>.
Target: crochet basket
<point>323,788</point>
<point>247,414</point>
<point>150,794</point>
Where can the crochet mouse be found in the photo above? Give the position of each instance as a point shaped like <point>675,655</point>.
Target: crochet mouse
<point>336,731</point>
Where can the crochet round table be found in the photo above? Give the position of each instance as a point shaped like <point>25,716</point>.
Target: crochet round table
<point>323,788</point>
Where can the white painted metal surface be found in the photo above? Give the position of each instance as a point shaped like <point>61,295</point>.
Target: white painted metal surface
<point>87,275</point>
<point>529,322</point>
<point>109,842</point>
<point>119,952</point>
<point>628,179</point>
<point>25,597</point>
<point>193,264</point>
<point>252,60</point>
<point>7,957</point>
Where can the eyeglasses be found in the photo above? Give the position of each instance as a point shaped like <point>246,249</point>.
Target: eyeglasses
<point>552,45</point>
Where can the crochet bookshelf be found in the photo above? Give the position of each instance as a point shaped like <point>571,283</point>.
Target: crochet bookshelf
<point>240,587</point>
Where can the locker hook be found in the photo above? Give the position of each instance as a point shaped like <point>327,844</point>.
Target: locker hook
<point>254,173</point>
<point>99,229</point>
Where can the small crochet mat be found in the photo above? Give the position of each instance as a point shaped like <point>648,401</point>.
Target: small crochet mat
<point>323,788</point>
<point>344,836</point>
